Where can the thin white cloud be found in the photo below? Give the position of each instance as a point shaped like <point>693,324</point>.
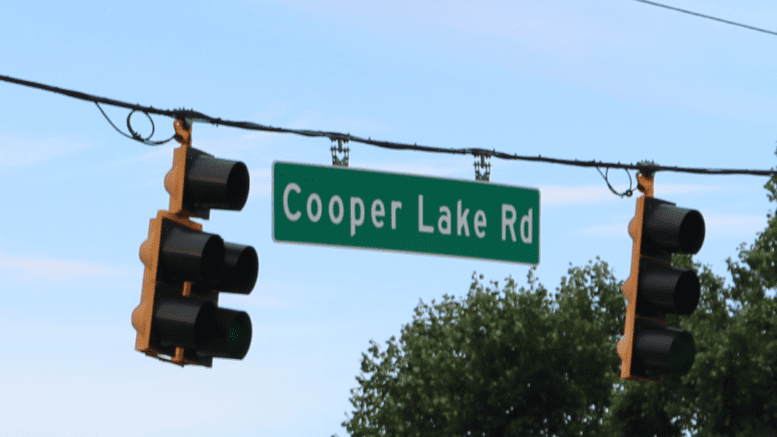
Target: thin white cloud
<point>520,21</point>
<point>552,195</point>
<point>661,190</point>
<point>613,230</point>
<point>610,48</point>
<point>36,268</point>
<point>261,183</point>
<point>523,21</point>
<point>272,113</point>
<point>347,124</point>
<point>233,146</point>
<point>269,302</point>
<point>266,294</point>
<point>734,225</point>
<point>23,152</point>
<point>20,152</point>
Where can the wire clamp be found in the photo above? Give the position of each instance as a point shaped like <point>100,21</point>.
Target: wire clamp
<point>483,165</point>
<point>340,149</point>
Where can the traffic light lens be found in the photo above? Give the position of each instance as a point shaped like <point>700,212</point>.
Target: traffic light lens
<point>212,259</point>
<point>237,185</point>
<point>241,268</point>
<point>185,323</point>
<point>193,255</point>
<point>662,349</point>
<point>239,336</point>
<point>682,354</point>
<point>687,293</point>
<point>669,228</point>
<point>215,183</point>
<point>205,326</point>
<point>232,335</point>
<point>663,287</point>
<point>692,232</point>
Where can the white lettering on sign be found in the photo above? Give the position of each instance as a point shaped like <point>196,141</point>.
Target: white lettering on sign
<point>292,186</point>
<point>314,209</point>
<point>526,224</point>
<point>421,226</point>
<point>461,220</point>
<point>314,198</point>
<point>377,210</point>
<point>445,216</point>
<point>395,204</point>
<point>339,201</point>
<point>356,221</point>
<point>508,222</point>
<point>444,222</point>
<point>480,221</point>
<point>526,220</point>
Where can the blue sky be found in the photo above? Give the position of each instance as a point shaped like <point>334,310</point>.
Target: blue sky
<point>608,80</point>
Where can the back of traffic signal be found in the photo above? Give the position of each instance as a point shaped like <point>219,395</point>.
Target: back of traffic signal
<point>178,319</point>
<point>649,348</point>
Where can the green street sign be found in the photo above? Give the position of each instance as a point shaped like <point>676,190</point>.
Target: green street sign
<point>337,206</point>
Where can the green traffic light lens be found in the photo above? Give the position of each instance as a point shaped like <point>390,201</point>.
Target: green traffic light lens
<point>232,336</point>
<point>238,336</point>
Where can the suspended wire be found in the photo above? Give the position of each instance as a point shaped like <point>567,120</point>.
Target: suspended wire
<point>198,116</point>
<point>627,193</point>
<point>707,16</point>
<point>134,135</point>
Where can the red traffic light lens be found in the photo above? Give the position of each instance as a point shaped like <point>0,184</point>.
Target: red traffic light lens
<point>214,183</point>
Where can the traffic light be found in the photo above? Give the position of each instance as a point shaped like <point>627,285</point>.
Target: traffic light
<point>178,319</point>
<point>649,348</point>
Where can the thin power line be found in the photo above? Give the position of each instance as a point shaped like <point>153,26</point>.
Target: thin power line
<point>707,16</point>
<point>334,136</point>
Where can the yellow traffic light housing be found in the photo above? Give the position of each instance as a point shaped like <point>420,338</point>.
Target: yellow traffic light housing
<point>178,319</point>
<point>650,349</point>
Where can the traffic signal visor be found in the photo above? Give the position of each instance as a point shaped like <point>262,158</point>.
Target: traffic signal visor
<point>198,181</point>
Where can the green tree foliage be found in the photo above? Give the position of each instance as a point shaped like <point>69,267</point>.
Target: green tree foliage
<point>734,379</point>
<point>522,362</point>
<point>499,362</point>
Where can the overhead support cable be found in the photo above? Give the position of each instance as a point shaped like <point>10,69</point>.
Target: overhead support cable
<point>192,115</point>
<point>708,17</point>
